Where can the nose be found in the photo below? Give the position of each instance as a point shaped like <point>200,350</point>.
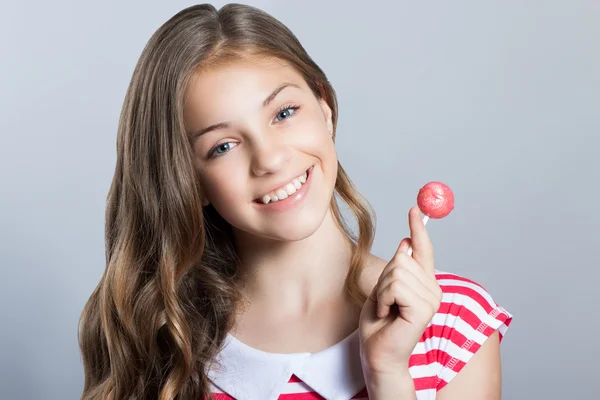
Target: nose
<point>269,155</point>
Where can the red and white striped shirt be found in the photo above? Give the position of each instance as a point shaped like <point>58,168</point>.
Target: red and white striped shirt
<point>466,318</point>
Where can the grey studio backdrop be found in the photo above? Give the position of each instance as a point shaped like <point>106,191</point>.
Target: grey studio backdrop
<point>500,100</point>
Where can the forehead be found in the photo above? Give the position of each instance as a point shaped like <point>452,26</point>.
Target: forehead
<point>248,80</point>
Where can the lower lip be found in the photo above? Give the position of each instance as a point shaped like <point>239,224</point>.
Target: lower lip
<point>290,201</point>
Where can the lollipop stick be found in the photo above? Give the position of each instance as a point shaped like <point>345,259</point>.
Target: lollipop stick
<point>425,219</point>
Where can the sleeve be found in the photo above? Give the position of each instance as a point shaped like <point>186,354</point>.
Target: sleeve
<point>467,317</point>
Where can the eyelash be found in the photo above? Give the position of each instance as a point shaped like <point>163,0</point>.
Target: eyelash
<point>212,154</point>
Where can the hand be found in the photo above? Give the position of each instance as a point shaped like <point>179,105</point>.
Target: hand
<point>402,303</point>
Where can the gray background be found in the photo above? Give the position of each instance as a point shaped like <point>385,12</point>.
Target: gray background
<point>499,100</point>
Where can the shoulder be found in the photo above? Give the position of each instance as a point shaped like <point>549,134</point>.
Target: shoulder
<point>465,300</point>
<point>374,266</point>
<point>468,316</point>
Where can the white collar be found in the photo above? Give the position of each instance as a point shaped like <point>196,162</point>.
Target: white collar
<point>251,374</point>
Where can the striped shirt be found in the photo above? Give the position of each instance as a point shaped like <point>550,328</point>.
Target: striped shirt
<point>466,318</point>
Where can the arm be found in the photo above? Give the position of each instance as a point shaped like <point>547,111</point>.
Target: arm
<point>398,386</point>
<point>480,378</point>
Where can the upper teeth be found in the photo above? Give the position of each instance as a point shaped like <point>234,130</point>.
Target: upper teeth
<point>284,191</point>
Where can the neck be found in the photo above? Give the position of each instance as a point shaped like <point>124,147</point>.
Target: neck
<point>294,278</point>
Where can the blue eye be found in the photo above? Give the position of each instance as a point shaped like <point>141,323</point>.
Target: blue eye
<point>215,153</point>
<point>285,111</point>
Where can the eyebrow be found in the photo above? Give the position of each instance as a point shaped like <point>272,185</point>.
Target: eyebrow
<point>266,102</point>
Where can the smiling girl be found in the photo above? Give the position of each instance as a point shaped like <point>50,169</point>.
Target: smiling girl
<point>230,270</point>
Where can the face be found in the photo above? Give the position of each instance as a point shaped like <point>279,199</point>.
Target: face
<point>263,136</point>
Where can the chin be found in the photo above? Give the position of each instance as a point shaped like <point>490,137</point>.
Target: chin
<point>296,230</point>
<point>297,227</point>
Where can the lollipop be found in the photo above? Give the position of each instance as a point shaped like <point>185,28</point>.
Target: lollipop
<point>435,200</point>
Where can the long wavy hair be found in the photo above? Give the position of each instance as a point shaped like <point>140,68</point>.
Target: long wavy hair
<point>161,311</point>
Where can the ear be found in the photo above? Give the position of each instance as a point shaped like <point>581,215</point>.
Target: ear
<point>327,114</point>
<point>205,202</point>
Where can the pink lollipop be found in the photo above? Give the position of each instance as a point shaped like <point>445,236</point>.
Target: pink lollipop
<point>435,200</point>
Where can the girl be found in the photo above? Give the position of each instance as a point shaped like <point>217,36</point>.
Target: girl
<point>230,270</point>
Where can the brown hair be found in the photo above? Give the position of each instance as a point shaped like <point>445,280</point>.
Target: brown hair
<point>165,302</point>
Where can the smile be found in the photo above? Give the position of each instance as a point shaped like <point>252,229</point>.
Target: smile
<point>286,196</point>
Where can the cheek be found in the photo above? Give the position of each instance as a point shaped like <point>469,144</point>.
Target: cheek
<point>222,190</point>
<point>314,136</point>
